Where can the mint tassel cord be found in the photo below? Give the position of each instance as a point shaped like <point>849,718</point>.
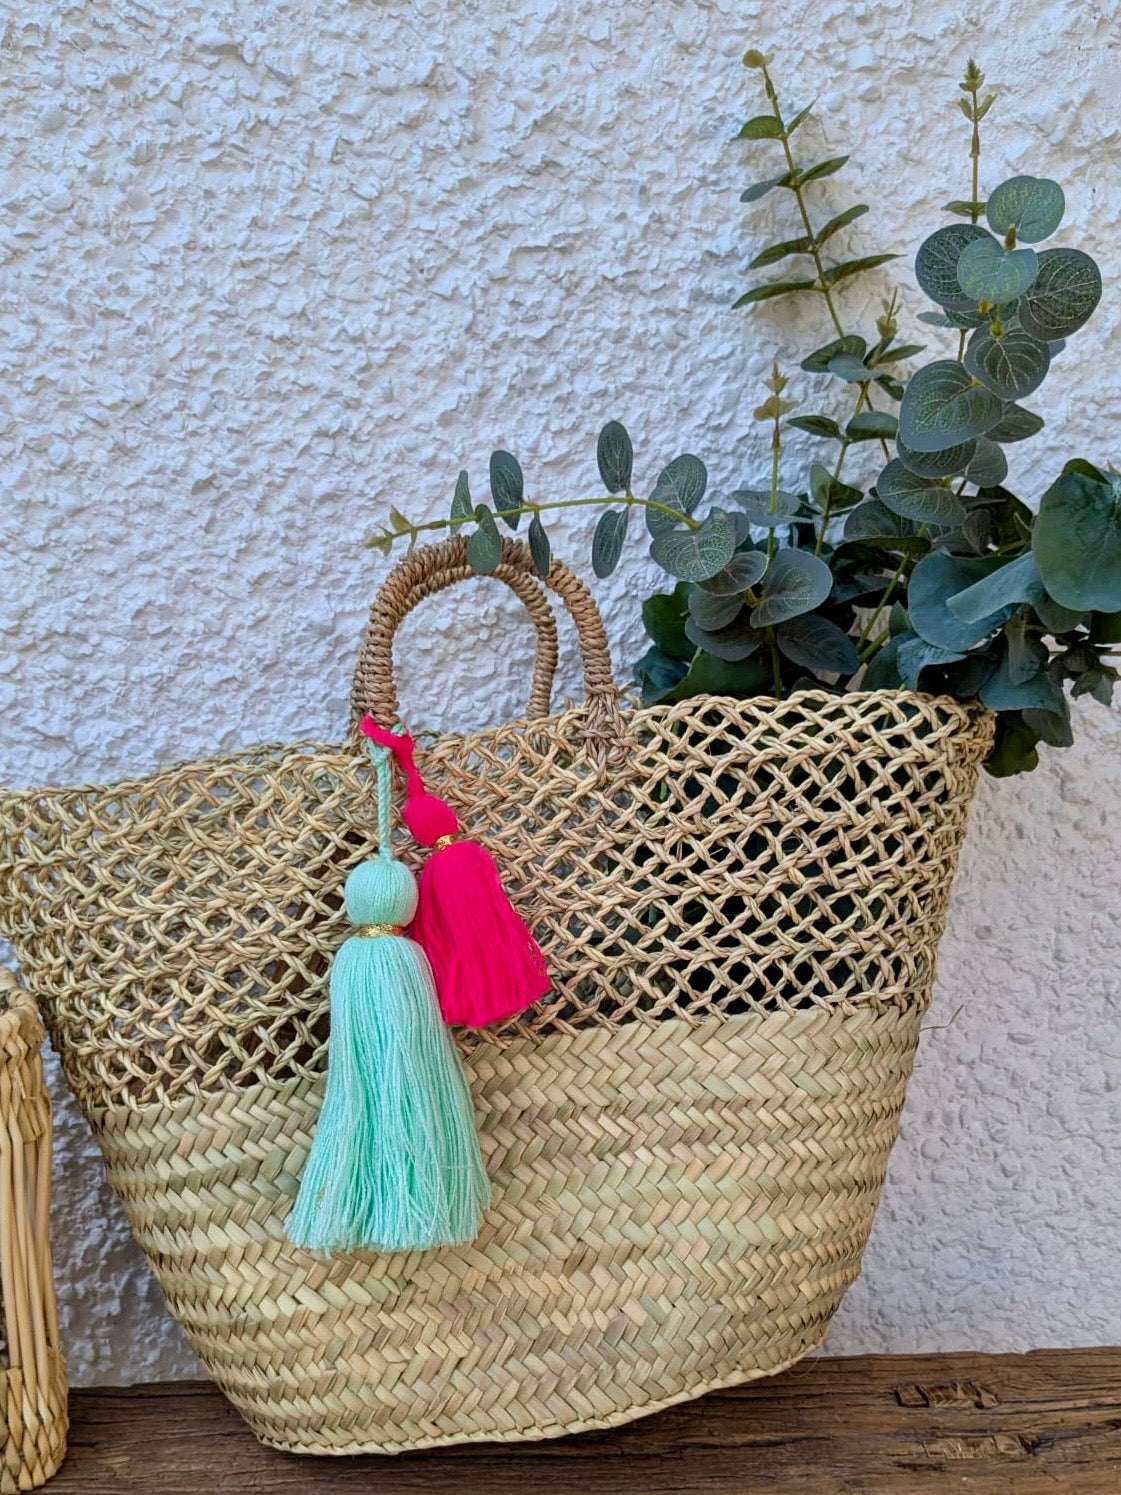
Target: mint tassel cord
<point>395,1162</point>
<point>486,963</point>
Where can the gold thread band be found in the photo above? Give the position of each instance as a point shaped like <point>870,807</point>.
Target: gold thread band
<point>441,842</point>
<point>371,931</point>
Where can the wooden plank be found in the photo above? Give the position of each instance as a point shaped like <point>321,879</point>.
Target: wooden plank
<point>1048,1423</point>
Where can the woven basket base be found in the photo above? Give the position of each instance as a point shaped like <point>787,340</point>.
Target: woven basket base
<point>677,1207</point>
<point>33,1427</point>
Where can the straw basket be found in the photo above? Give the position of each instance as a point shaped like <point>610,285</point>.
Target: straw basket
<point>32,1372</point>
<point>740,903</point>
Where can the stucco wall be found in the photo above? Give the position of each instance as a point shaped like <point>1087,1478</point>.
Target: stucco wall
<point>267,267</point>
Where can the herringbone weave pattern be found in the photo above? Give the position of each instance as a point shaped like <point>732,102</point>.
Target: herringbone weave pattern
<point>740,904</point>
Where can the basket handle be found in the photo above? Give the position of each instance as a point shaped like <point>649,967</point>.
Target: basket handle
<point>433,568</point>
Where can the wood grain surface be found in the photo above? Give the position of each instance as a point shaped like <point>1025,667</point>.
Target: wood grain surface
<point>1048,1423</point>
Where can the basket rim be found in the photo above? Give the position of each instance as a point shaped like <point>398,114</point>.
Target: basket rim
<point>974,719</point>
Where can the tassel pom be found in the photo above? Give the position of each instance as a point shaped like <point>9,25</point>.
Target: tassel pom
<point>487,964</point>
<point>395,1162</point>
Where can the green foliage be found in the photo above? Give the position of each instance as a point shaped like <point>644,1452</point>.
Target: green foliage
<point>1030,208</point>
<point>930,573</point>
<point>507,486</point>
<point>944,405</point>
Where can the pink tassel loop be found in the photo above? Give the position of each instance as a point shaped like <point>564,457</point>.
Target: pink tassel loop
<point>486,963</point>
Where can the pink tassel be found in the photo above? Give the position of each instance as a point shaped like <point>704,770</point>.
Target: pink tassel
<point>486,963</point>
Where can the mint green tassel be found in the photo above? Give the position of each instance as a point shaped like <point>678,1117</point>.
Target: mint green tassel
<point>395,1162</point>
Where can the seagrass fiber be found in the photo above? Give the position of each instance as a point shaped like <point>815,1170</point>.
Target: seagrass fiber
<point>739,903</point>
<point>676,1207</point>
<point>33,1419</point>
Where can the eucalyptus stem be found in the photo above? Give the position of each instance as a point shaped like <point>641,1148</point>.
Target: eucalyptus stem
<point>776,451</point>
<point>799,196</point>
<point>814,250</point>
<point>870,649</point>
<point>885,598</point>
<point>776,664</point>
<point>974,78</point>
<point>627,500</point>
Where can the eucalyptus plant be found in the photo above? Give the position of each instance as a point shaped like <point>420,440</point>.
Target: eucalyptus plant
<point>936,577</point>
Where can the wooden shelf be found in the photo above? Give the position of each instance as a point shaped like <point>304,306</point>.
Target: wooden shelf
<point>1048,1422</point>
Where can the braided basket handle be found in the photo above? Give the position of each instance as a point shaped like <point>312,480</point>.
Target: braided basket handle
<point>433,568</point>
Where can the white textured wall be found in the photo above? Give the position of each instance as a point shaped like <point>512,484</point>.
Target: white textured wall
<point>267,267</point>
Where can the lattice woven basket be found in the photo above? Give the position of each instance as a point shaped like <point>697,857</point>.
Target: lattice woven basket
<point>32,1371</point>
<point>740,903</point>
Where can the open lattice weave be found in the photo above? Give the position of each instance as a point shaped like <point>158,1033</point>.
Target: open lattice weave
<point>32,1371</point>
<point>740,904</point>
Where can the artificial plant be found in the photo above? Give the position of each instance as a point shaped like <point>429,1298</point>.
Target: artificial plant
<point>937,576</point>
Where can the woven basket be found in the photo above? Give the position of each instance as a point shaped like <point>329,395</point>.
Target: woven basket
<point>740,903</point>
<point>32,1371</point>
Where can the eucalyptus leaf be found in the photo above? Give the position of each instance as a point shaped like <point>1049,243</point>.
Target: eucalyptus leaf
<point>760,189</point>
<point>769,292</point>
<point>657,674</point>
<point>540,550</point>
<point>817,644</point>
<point>822,169</point>
<point>607,542</point>
<point>615,457</point>
<point>837,273</point>
<point>1077,539</point>
<point>507,486</point>
<point>713,610</point>
<point>1054,617</point>
<point>1063,296</point>
<point>484,546</point>
<point>695,554</point>
<point>873,520</point>
<point>989,272</point>
<point>1016,581</point>
<point>915,654</point>
<point>944,464</point>
<point>1030,207</point>
<point>989,465</point>
<point>681,486</point>
<point>1001,693</point>
<point>1027,653</point>
<point>842,220</point>
<point>1014,748</point>
<point>871,425</point>
<point>744,569</point>
<point>732,643</point>
<point>462,508</point>
<point>1012,365</point>
<point>935,579</point>
<point>936,264</point>
<point>708,675</point>
<point>829,492</point>
<point>899,351</point>
<point>663,617</point>
<point>817,362</point>
<point>775,252</point>
<point>1015,424</point>
<point>761,127</point>
<point>1051,727</point>
<point>944,407</point>
<point>817,425</point>
<point>795,582</point>
<point>923,500</point>
<point>851,369</point>
<point>882,672</point>
<point>764,510</point>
